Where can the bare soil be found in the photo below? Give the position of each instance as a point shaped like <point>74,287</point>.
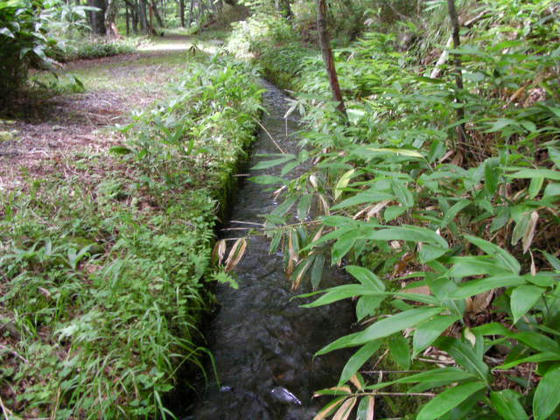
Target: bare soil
<point>39,130</point>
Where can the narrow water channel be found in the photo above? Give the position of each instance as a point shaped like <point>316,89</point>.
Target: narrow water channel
<point>262,340</point>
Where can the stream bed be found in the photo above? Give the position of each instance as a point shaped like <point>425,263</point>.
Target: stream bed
<point>262,340</point>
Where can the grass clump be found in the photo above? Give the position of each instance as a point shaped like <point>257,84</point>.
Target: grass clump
<point>104,272</point>
<point>89,48</point>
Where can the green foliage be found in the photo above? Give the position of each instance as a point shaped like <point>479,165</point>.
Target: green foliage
<point>105,272</point>
<point>459,241</point>
<point>22,40</point>
<point>86,47</point>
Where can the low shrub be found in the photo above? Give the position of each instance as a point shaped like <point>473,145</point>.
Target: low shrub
<point>453,245</point>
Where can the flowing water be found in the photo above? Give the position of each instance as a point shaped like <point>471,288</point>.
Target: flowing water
<point>262,340</point>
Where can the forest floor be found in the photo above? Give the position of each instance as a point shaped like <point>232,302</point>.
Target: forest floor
<point>46,125</point>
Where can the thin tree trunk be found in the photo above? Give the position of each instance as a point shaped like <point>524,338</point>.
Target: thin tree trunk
<point>328,55</point>
<point>191,13</point>
<point>110,18</point>
<point>458,73</point>
<point>182,12</point>
<point>157,15</point>
<point>97,18</point>
<point>127,17</point>
<point>135,16</point>
<point>142,16</point>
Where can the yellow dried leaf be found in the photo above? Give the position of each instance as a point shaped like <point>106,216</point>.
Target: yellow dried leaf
<point>343,183</point>
<point>375,210</point>
<point>343,389</point>
<point>301,274</point>
<point>236,253</point>
<point>370,413</point>
<point>530,232</point>
<point>345,409</point>
<point>324,205</point>
<point>325,412</point>
<point>354,379</point>
<point>219,251</point>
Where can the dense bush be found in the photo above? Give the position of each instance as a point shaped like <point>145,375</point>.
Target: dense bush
<point>22,40</point>
<point>454,245</point>
<point>85,47</point>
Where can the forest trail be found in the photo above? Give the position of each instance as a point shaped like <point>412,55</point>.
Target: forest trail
<point>40,128</point>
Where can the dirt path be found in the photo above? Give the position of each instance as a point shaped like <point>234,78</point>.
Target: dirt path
<point>39,130</point>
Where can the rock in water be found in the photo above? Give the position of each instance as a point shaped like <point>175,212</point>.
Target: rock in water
<point>282,395</point>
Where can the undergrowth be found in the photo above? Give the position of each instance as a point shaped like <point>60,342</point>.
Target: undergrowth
<point>105,266</point>
<point>453,244</point>
<point>89,48</point>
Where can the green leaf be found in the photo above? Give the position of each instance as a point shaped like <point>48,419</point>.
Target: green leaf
<point>428,331</point>
<point>392,212</point>
<point>546,356</point>
<point>407,233</point>
<point>538,341</point>
<point>400,350</point>
<point>475,287</point>
<point>334,294</point>
<point>366,277</point>
<point>464,354</point>
<point>357,360</point>
<point>283,208</point>
<point>491,178</point>
<point>448,400</point>
<point>535,186</point>
<point>271,163</point>
<point>342,246</point>
<point>120,150</point>
<point>429,253</point>
<point>268,180</point>
<point>547,397</point>
<point>507,259</point>
<point>383,328</point>
<point>303,206</point>
<point>370,196</point>
<point>368,305</point>
<point>404,196</point>
<point>536,173</point>
<point>450,214</point>
<point>552,190</point>
<point>523,298</point>
<point>317,271</point>
<point>506,403</point>
<point>475,265</point>
<point>552,260</point>
<point>521,228</point>
<point>443,375</point>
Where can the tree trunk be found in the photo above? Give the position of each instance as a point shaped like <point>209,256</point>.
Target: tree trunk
<point>110,17</point>
<point>182,12</point>
<point>191,10</point>
<point>127,17</point>
<point>157,15</point>
<point>458,73</point>
<point>142,16</point>
<point>328,55</point>
<point>97,18</point>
